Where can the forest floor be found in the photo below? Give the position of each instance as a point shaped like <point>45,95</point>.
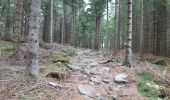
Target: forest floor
<point>68,73</point>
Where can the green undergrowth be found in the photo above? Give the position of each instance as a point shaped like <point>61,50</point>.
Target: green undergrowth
<point>60,58</point>
<point>148,88</point>
<point>6,49</point>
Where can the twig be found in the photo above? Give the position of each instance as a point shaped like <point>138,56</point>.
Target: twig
<point>157,74</point>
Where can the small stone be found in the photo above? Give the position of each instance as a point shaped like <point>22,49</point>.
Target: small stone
<point>107,78</point>
<point>96,79</point>
<point>73,67</point>
<point>104,70</point>
<point>86,71</point>
<point>120,78</point>
<point>86,90</point>
<point>93,64</point>
<point>99,96</point>
<point>113,97</point>
<point>88,98</point>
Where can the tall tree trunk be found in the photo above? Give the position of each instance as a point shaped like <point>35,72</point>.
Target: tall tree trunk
<point>117,36</point>
<point>26,19</point>
<point>18,26</point>
<point>128,56</point>
<point>107,33</point>
<point>141,31</point>
<point>64,24</point>
<point>97,35</point>
<point>33,44</point>
<point>73,23</point>
<point>51,22</point>
<point>8,23</point>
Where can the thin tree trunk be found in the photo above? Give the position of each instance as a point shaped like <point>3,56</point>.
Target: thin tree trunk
<point>128,56</point>
<point>18,26</point>
<point>7,35</point>
<point>64,24</point>
<point>107,47</point>
<point>141,32</point>
<point>117,36</point>
<point>33,44</point>
<point>97,36</point>
<point>51,22</point>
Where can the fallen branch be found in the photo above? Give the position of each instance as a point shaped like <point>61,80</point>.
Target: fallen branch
<point>163,77</point>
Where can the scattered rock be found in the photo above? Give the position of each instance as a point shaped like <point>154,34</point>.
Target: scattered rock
<point>114,97</point>
<point>88,98</point>
<point>107,78</point>
<point>99,96</point>
<point>86,71</point>
<point>86,90</point>
<point>93,64</point>
<point>73,67</point>
<point>120,78</point>
<point>104,70</point>
<point>96,79</point>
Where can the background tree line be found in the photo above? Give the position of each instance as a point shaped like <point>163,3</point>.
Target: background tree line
<point>96,24</point>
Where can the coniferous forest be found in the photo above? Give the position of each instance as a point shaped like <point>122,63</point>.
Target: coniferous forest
<point>84,49</point>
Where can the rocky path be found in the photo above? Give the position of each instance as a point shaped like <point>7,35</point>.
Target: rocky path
<point>90,79</point>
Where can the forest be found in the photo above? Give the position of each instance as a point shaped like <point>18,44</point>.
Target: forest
<point>84,49</point>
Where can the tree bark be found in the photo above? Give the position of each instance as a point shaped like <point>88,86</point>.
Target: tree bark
<point>141,31</point>
<point>7,35</point>
<point>33,44</point>
<point>51,22</point>
<point>97,35</point>
<point>117,36</point>
<point>128,56</point>
<point>18,26</point>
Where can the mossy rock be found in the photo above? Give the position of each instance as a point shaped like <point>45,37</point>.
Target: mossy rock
<point>60,58</point>
<point>160,62</point>
<point>56,67</point>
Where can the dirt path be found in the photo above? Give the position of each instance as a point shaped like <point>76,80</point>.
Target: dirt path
<point>97,80</point>
<point>89,79</point>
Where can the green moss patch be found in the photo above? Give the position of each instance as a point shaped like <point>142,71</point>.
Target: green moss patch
<point>6,49</point>
<point>60,58</point>
<point>149,88</point>
<point>160,62</point>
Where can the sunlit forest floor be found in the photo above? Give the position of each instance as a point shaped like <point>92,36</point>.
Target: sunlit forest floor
<point>68,73</point>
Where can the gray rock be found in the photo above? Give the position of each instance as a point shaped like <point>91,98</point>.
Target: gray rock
<point>93,64</point>
<point>73,67</point>
<point>86,90</point>
<point>86,71</point>
<point>120,78</point>
<point>113,97</point>
<point>104,70</point>
<point>106,80</point>
<point>99,96</point>
<point>96,79</point>
<point>88,98</point>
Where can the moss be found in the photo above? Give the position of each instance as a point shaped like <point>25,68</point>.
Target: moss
<point>56,67</point>
<point>149,88</point>
<point>60,58</point>
<point>6,49</point>
<point>160,62</point>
